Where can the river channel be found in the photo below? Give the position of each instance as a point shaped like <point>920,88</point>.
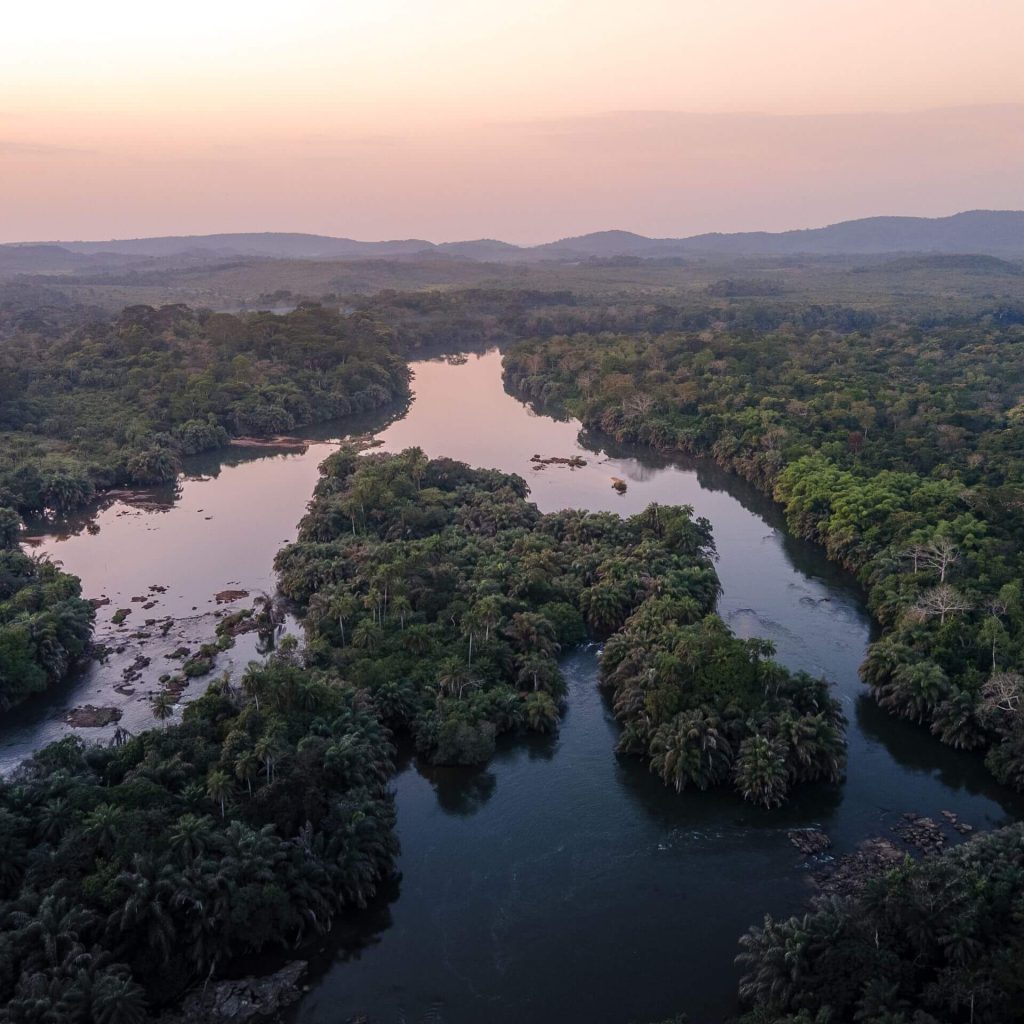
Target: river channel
<point>561,883</point>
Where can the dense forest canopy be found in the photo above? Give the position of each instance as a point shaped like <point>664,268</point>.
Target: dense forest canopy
<point>706,708</point>
<point>899,448</point>
<point>44,622</point>
<point>437,600</point>
<point>118,402</point>
<point>132,871</point>
<point>935,940</point>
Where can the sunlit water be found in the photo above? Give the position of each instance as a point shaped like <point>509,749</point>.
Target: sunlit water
<point>562,883</point>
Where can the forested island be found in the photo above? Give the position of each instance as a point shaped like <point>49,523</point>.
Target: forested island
<point>438,602</point>
<point>898,447</point>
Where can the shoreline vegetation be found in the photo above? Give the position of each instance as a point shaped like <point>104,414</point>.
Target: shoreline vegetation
<point>921,496</point>
<point>403,561</point>
<point>117,403</point>
<point>108,406</point>
<point>437,600</point>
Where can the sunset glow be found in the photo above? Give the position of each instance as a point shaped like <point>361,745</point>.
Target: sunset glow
<point>440,118</point>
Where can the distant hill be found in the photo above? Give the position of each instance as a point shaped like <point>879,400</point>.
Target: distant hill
<point>266,243</point>
<point>39,259</point>
<point>481,249</point>
<point>976,232</point>
<point>993,232</point>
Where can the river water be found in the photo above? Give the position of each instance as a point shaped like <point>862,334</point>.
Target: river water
<point>561,883</point>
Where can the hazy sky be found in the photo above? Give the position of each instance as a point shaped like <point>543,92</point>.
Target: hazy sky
<point>525,120</point>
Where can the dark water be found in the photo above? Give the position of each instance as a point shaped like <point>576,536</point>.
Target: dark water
<point>217,529</point>
<point>563,883</point>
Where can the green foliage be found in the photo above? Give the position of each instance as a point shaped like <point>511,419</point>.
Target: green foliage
<point>896,445</point>
<point>44,624</point>
<point>706,708</point>
<point>447,596</point>
<point>123,881</point>
<point>940,939</point>
<point>119,402</point>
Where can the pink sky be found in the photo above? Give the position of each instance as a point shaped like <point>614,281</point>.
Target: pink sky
<point>447,119</point>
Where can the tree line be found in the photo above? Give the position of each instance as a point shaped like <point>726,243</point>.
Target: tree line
<point>900,449</point>
<point>119,402</point>
<point>128,873</point>
<point>45,624</point>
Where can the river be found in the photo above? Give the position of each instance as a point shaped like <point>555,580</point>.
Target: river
<point>561,882</point>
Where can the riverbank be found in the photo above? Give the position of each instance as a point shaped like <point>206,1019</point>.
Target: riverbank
<point>562,882</point>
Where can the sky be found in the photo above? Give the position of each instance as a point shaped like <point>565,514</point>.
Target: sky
<point>527,120</point>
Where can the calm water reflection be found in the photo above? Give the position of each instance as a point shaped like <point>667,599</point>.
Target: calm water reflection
<point>561,882</point>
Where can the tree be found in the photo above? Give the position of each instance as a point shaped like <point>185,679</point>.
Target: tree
<point>943,601</point>
<point>10,529</point>
<point>191,837</point>
<point>1002,697</point>
<point>247,766</point>
<point>163,706</point>
<point>541,712</point>
<point>691,749</point>
<point>939,555</point>
<point>488,613</point>
<point>761,772</point>
<point>218,788</point>
<point>117,999</point>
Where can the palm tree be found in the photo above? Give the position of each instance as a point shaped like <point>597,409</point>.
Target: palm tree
<point>247,765</point>
<point>453,678</point>
<point>103,826</point>
<point>342,607</point>
<point>915,690</point>
<point>955,721</point>
<point>218,788</point>
<point>541,712</point>
<point>117,999</point>
<point>268,748</point>
<point>532,633</point>
<point>54,819</point>
<point>488,614</point>
<point>539,671</point>
<point>56,927</point>
<point>418,464</point>
<point>816,746</point>
<point>691,749</point>
<point>761,772</point>
<point>367,636</point>
<point>605,606</point>
<point>163,706</point>
<point>254,682</point>
<point>401,607</point>
<point>191,836</point>
<point>148,890</point>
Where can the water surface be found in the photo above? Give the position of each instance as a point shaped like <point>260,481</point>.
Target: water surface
<point>562,882</point>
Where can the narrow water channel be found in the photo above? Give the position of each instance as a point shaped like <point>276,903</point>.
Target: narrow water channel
<point>561,883</point>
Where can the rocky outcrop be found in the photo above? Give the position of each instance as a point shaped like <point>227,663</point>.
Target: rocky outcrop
<point>242,1000</point>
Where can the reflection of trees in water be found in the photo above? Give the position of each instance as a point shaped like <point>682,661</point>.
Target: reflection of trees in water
<point>208,466</point>
<point>460,791</point>
<point>716,809</point>
<point>807,558</point>
<point>354,931</point>
<point>463,791</point>
<point>913,747</point>
<point>149,501</point>
<point>359,930</point>
<point>535,407</point>
<point>722,808</point>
